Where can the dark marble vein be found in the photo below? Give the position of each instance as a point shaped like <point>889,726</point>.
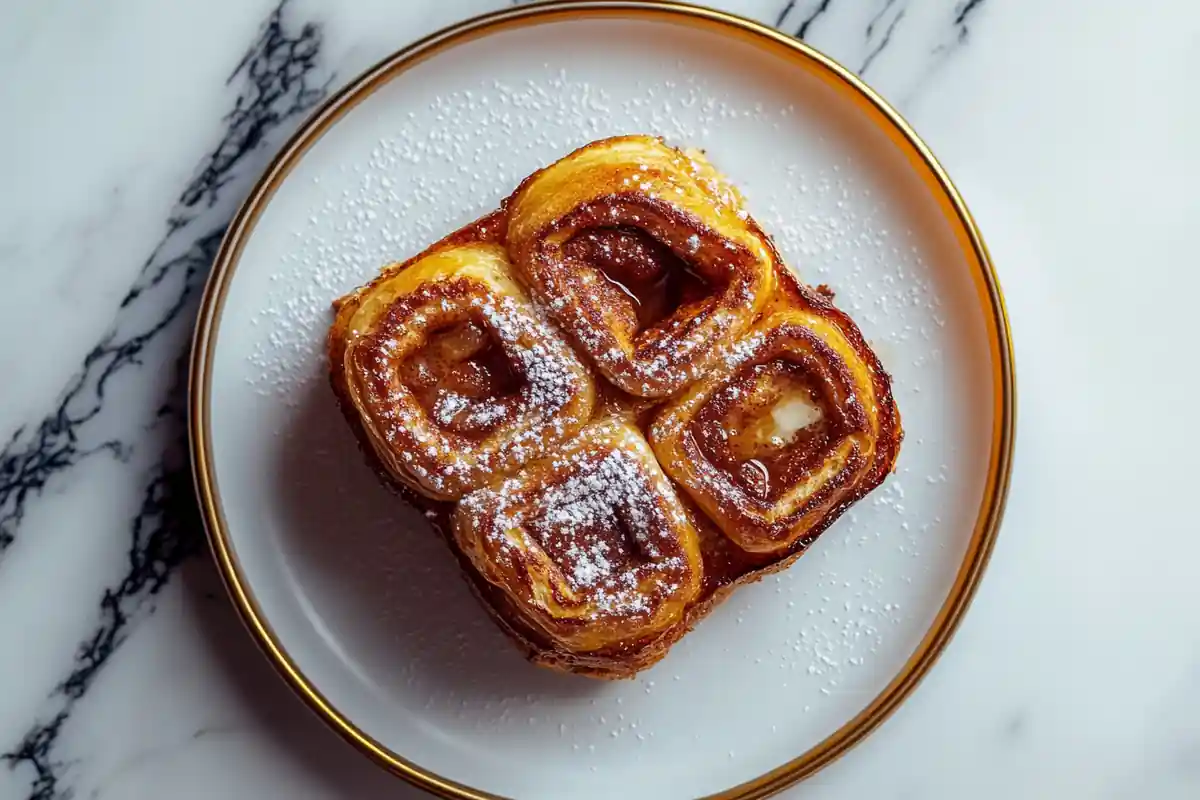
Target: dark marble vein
<point>149,341</point>
<point>961,19</point>
<point>787,9</point>
<point>34,751</point>
<point>807,22</point>
<point>279,87</point>
<point>965,10</point>
<point>165,531</point>
<point>878,16</point>
<point>802,31</point>
<point>883,41</point>
<point>962,15</point>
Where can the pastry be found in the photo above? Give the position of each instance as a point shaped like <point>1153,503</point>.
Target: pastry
<point>795,421</point>
<point>591,546</point>
<point>614,401</point>
<point>643,255</point>
<point>456,376</point>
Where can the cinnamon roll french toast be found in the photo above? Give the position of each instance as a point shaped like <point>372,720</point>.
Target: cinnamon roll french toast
<point>614,401</point>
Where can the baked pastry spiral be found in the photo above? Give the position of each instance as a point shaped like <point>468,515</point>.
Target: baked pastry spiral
<point>455,375</point>
<point>795,424</point>
<point>643,254</point>
<point>592,545</point>
<point>614,401</point>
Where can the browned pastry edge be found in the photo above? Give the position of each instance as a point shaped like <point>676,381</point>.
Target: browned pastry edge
<point>726,567</point>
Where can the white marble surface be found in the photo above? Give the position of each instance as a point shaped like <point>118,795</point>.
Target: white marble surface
<point>131,131</point>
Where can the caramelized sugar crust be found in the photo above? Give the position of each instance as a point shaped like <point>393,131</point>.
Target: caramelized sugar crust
<point>614,401</point>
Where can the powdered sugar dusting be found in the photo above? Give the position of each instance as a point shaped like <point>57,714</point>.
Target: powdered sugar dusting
<point>542,357</point>
<point>606,516</point>
<point>445,165</point>
<point>841,237</point>
<point>527,422</point>
<point>448,406</point>
<point>432,169</point>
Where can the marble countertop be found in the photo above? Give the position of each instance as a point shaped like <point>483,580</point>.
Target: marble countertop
<point>133,130</point>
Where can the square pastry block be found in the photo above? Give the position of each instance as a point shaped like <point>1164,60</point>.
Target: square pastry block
<point>595,234</point>
<point>593,541</point>
<point>461,378</point>
<point>782,436</point>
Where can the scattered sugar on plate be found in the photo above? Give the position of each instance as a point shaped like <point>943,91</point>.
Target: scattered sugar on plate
<point>444,165</point>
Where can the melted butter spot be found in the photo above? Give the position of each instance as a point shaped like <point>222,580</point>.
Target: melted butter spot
<point>793,413</point>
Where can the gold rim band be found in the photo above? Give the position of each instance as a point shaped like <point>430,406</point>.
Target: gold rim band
<point>991,510</point>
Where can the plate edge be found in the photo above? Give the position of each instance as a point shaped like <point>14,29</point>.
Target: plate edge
<point>983,536</point>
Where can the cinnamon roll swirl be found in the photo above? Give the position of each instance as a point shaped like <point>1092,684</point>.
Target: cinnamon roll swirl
<point>591,545</point>
<point>644,255</point>
<point>453,374</point>
<point>796,424</point>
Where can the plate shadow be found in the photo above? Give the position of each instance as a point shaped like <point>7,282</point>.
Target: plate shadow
<point>389,592</point>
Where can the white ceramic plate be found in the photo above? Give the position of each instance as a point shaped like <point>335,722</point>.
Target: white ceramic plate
<point>358,602</point>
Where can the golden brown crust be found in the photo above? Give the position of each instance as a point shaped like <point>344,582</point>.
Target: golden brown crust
<point>701,540</point>
<point>455,375</point>
<point>591,544</point>
<point>608,201</point>
<point>766,482</point>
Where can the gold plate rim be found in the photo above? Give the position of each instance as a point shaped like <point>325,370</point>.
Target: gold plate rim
<point>991,510</point>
